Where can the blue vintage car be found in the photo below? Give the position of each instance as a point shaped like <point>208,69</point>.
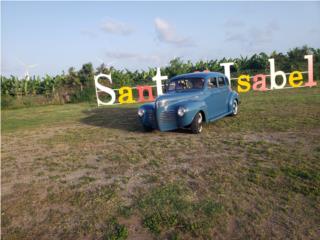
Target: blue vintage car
<point>190,100</point>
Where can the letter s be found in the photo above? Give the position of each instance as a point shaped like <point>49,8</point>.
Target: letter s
<point>101,88</point>
<point>244,81</point>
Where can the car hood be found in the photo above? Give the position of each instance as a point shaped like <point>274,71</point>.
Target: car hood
<point>175,97</point>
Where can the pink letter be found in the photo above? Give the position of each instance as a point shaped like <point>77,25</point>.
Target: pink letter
<point>262,83</point>
<point>310,82</point>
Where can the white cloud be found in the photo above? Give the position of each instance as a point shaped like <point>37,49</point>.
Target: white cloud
<point>116,27</point>
<point>250,37</point>
<point>132,56</point>
<point>167,33</point>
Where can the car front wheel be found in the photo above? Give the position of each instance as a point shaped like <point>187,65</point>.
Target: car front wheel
<point>196,125</point>
<point>147,129</point>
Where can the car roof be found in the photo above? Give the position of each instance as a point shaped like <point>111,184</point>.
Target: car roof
<point>198,75</point>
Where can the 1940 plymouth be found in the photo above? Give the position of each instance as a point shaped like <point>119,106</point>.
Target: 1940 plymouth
<point>190,100</point>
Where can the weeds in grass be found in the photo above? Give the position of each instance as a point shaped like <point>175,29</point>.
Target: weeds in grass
<point>115,231</point>
<point>304,181</point>
<point>92,197</point>
<point>172,206</point>
<point>125,211</point>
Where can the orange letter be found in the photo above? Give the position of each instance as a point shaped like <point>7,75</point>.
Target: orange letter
<point>261,83</point>
<point>243,80</point>
<point>141,90</point>
<point>295,76</point>
<point>127,95</point>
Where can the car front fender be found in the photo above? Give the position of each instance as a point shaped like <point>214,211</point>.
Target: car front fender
<point>192,108</point>
<point>148,119</point>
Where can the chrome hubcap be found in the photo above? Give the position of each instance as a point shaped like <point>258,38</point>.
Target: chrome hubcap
<point>235,107</point>
<point>200,122</point>
<point>200,118</point>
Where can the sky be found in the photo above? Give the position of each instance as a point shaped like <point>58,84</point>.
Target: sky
<point>53,36</point>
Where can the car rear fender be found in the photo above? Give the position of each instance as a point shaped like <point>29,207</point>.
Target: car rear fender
<point>233,96</point>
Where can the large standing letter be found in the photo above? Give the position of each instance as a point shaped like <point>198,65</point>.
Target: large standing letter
<point>274,74</point>
<point>310,82</point>
<point>227,70</point>
<point>244,80</point>
<point>262,83</point>
<point>158,78</point>
<point>295,76</point>
<point>127,95</point>
<point>100,88</point>
<point>141,89</point>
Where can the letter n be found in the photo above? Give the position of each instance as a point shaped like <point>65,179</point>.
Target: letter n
<point>141,90</point>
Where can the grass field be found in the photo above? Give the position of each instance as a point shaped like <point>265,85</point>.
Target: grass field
<point>78,172</point>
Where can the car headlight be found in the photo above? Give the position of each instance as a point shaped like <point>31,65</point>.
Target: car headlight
<point>140,112</point>
<point>181,111</point>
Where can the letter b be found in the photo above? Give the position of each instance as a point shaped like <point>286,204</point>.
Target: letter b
<point>274,74</point>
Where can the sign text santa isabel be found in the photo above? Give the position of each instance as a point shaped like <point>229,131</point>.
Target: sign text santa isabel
<point>258,83</point>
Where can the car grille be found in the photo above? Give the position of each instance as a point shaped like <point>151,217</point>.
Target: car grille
<point>167,116</point>
<point>167,120</point>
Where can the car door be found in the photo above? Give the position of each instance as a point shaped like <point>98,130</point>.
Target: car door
<point>223,92</point>
<point>212,99</point>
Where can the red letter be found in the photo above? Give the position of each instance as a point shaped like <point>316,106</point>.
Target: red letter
<point>141,90</point>
<point>261,83</point>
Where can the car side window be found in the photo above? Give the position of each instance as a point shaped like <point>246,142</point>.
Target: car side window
<point>226,80</point>
<point>221,82</point>
<point>212,83</point>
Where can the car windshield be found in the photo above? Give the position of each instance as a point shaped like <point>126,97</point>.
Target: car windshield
<point>185,84</point>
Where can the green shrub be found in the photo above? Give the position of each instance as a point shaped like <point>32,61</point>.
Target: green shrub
<point>10,102</point>
<point>86,95</point>
<point>7,101</point>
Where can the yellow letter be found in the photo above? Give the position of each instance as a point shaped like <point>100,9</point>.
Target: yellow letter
<point>127,95</point>
<point>244,80</point>
<point>295,76</point>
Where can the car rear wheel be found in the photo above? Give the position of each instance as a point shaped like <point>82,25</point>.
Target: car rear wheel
<point>196,125</point>
<point>234,108</point>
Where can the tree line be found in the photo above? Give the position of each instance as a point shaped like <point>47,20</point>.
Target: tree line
<point>78,85</point>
